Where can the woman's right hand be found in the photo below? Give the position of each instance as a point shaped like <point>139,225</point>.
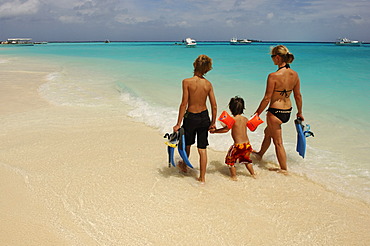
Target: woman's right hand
<point>299,115</point>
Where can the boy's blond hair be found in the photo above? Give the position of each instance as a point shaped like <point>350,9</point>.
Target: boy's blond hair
<point>202,65</point>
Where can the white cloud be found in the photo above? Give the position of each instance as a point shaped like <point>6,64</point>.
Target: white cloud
<point>357,19</point>
<point>201,16</point>
<point>71,19</point>
<point>251,4</point>
<point>332,9</point>
<point>19,8</point>
<point>183,23</point>
<point>129,19</point>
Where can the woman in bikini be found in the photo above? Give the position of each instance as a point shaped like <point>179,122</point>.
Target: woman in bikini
<point>280,85</point>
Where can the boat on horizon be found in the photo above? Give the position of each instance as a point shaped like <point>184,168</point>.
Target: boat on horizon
<point>190,43</point>
<point>19,41</point>
<point>42,42</point>
<point>235,41</point>
<point>347,42</point>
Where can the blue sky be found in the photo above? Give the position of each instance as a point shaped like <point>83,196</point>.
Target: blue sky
<point>172,20</point>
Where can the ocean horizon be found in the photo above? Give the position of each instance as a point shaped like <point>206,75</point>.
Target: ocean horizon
<point>201,42</point>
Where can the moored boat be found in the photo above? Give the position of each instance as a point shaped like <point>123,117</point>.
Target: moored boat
<point>235,41</point>
<point>42,42</point>
<point>348,42</point>
<point>19,41</point>
<point>191,43</point>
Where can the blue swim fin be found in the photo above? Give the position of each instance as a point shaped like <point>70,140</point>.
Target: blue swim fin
<point>301,138</point>
<point>181,147</point>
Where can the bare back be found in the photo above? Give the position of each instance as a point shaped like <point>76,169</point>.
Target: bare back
<point>239,131</point>
<point>284,82</point>
<point>198,89</point>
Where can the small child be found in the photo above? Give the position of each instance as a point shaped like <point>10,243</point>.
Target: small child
<point>241,149</point>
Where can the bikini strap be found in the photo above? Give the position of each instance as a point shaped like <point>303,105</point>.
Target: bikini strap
<point>284,92</point>
<point>286,66</point>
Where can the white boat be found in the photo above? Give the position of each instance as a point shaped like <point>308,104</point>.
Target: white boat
<point>348,42</point>
<point>189,42</point>
<point>235,41</point>
<point>19,41</point>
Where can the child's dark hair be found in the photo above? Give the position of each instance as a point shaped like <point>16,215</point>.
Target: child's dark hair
<point>236,105</point>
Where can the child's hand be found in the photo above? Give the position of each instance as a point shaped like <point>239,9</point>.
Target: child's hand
<point>212,130</point>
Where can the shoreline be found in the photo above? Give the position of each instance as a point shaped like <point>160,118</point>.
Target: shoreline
<point>201,41</point>
<point>86,176</point>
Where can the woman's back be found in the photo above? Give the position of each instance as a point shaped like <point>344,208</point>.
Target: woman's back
<point>285,80</point>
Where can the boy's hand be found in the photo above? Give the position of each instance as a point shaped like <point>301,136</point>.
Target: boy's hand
<point>176,128</point>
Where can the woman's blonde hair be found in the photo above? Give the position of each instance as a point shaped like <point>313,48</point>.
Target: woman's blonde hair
<point>202,65</point>
<point>283,52</point>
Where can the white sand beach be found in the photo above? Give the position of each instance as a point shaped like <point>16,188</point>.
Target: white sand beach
<point>91,176</point>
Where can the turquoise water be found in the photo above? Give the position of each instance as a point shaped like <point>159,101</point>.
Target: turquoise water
<point>147,77</point>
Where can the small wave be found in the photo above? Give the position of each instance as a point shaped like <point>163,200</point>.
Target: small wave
<point>3,61</point>
<point>164,118</point>
<point>161,118</point>
<point>62,90</point>
<point>52,76</point>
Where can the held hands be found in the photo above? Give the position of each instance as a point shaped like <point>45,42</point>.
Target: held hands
<point>212,129</point>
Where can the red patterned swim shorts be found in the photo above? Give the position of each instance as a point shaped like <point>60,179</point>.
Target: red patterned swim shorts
<point>239,152</point>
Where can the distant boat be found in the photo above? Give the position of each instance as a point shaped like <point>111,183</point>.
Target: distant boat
<point>43,42</point>
<point>19,41</point>
<point>191,43</point>
<point>107,41</point>
<point>235,41</point>
<point>347,42</point>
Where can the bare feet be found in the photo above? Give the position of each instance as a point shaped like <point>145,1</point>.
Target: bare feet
<point>278,170</point>
<point>183,167</point>
<point>254,176</point>
<point>202,181</point>
<point>234,178</point>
